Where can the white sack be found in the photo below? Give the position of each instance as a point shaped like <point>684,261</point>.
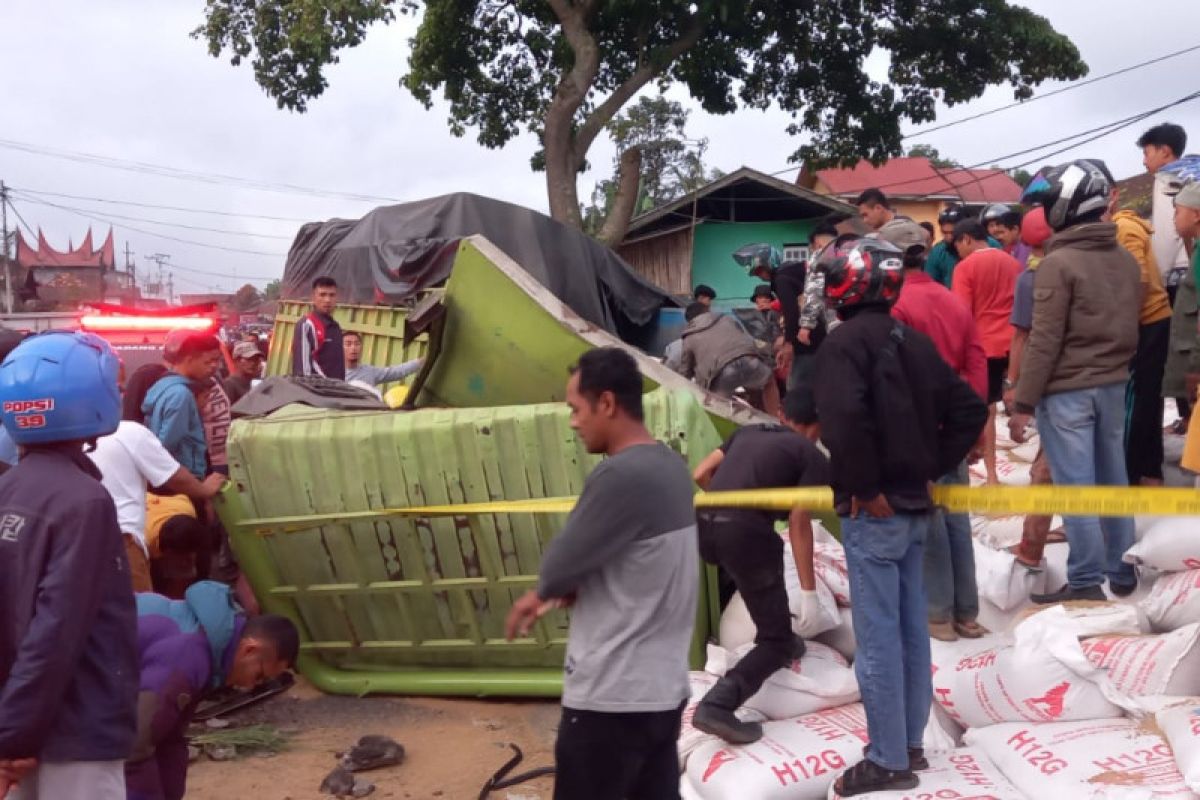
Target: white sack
<point>1113,759</point>
<point>1174,601</point>
<point>1171,544</point>
<point>689,737</point>
<point>1180,724</point>
<point>829,563</point>
<point>820,679</point>
<point>1042,676</point>
<point>841,638</point>
<point>966,773</point>
<point>1004,581</point>
<point>797,759</point>
<point>1168,663</point>
<point>737,628</point>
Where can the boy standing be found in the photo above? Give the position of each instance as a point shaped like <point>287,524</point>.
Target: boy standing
<point>68,641</point>
<point>894,417</point>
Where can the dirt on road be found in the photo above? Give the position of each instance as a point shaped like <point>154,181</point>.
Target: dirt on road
<point>452,747</point>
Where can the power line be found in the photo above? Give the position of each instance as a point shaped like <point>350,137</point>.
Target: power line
<point>1099,131</point>
<point>103,219</point>
<point>209,273</point>
<point>1077,85</point>
<point>1052,93</point>
<point>114,215</point>
<point>234,214</point>
<point>178,173</point>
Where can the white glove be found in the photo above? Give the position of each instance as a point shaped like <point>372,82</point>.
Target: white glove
<point>810,613</point>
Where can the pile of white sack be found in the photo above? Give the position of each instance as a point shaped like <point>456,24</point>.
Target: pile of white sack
<point>1081,700</point>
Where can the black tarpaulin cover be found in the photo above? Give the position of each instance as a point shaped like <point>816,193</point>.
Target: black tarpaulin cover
<point>395,251</point>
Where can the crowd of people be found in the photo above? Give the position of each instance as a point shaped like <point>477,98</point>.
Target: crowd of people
<point>885,359</point>
<point>894,353</point>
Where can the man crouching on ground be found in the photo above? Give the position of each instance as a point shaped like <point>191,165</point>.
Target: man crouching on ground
<point>188,648</point>
<point>894,416</point>
<point>626,560</point>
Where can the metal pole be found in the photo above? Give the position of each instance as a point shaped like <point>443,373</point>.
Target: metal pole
<point>8,292</point>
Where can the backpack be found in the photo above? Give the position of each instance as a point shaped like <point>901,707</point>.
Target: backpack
<point>904,447</point>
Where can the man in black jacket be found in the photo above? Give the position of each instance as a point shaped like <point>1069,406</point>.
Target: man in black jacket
<point>68,627</point>
<point>894,416</point>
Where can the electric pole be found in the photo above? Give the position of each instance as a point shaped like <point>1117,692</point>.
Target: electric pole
<point>130,265</point>
<point>8,292</point>
<point>160,259</point>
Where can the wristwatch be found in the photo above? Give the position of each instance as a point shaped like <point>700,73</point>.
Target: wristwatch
<point>1007,384</point>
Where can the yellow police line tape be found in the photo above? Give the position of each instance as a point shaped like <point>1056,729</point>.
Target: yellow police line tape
<point>1100,501</point>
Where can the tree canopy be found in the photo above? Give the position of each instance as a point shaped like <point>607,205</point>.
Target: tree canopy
<point>563,69</point>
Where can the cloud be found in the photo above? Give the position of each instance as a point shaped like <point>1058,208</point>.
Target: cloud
<point>124,79</point>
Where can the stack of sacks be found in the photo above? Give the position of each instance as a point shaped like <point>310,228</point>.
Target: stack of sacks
<point>1067,701</point>
<point>1170,545</point>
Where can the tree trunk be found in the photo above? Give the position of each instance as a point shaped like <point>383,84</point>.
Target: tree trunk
<point>561,189</point>
<point>628,179</point>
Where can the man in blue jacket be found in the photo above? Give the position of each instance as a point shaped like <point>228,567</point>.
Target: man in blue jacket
<point>170,405</point>
<point>187,648</point>
<point>68,649</point>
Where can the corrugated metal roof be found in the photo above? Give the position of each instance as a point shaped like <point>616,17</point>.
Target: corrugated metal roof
<point>917,177</point>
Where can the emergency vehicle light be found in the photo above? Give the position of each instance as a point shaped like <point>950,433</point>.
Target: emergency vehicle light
<point>96,322</point>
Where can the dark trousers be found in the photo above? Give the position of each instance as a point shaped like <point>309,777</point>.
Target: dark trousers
<point>750,551</point>
<point>1144,403</point>
<point>608,756</point>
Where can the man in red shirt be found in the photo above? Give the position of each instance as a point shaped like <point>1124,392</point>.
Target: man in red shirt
<point>927,306</point>
<point>985,280</point>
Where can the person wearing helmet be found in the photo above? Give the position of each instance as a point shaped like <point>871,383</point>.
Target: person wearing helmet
<point>68,641</point>
<point>1003,224</point>
<point>943,258</point>
<point>894,417</point>
<point>1036,532</point>
<point>927,306</point>
<point>814,313</point>
<point>787,281</point>
<point>1087,296</point>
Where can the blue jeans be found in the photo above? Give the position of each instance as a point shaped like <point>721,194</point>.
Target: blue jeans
<point>1082,433</point>
<point>950,561</point>
<point>884,558</point>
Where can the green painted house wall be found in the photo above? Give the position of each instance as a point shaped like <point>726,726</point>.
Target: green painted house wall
<point>712,259</point>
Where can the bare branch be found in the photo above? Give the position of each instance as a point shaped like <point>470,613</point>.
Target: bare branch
<point>602,114</point>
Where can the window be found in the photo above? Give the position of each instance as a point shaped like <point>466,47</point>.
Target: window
<point>795,251</point>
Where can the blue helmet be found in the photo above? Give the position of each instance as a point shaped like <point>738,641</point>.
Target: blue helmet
<point>58,387</point>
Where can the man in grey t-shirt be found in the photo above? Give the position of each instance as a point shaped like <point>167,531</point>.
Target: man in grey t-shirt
<point>626,561</point>
<point>368,373</point>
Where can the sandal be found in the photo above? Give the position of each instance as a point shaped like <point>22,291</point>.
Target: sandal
<point>1057,536</point>
<point>970,629</point>
<point>867,776</point>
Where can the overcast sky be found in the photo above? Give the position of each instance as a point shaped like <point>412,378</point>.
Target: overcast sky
<point>122,79</point>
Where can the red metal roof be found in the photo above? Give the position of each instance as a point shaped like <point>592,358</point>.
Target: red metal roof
<point>83,256</point>
<point>917,177</point>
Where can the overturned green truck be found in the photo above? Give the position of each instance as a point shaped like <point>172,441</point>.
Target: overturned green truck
<point>389,602</point>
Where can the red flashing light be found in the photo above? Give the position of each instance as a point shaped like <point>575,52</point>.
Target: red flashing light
<point>96,322</point>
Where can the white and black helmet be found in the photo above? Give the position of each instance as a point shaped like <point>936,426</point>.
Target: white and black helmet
<point>994,212</point>
<point>1070,191</point>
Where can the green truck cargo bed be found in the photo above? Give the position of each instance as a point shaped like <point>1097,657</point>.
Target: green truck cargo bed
<point>412,604</point>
